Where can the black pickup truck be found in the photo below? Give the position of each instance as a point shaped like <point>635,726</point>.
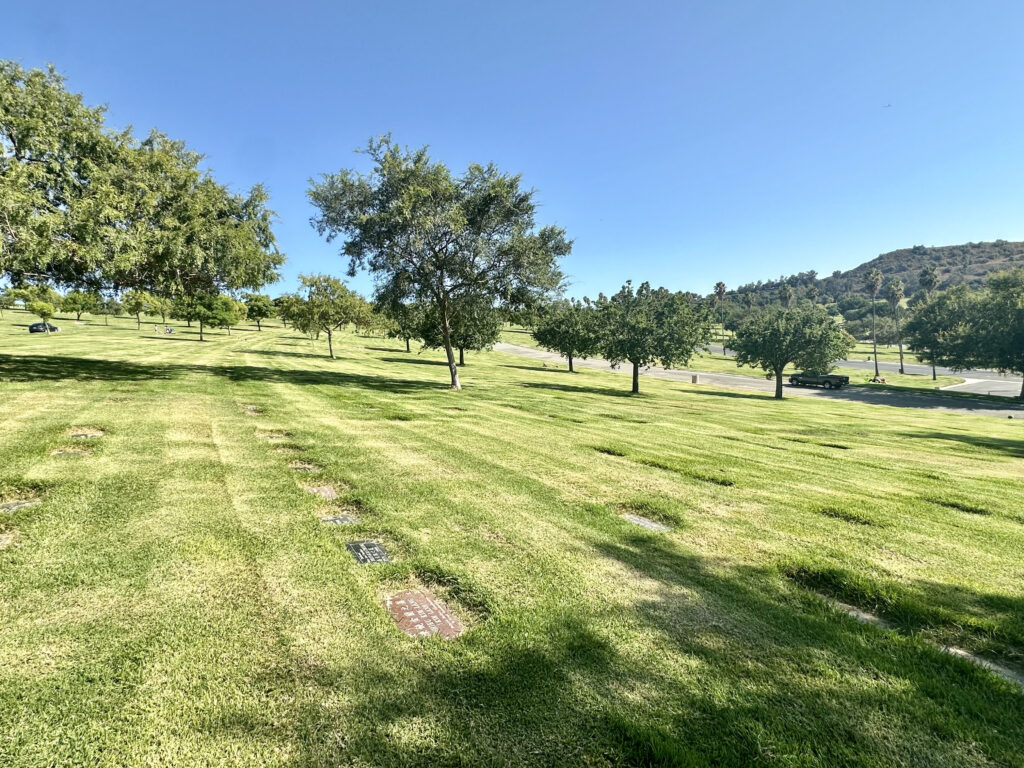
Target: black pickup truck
<point>826,380</point>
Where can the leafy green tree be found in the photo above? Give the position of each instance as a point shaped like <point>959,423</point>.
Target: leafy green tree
<point>976,329</point>
<point>185,308</point>
<point>258,308</point>
<point>107,307</point>
<point>160,305</point>
<point>287,308</point>
<point>216,311</point>
<point>873,282</point>
<point>79,302</point>
<point>135,303</point>
<point>435,238</point>
<point>60,197</point>
<point>44,310</point>
<point>650,326</point>
<point>894,293</point>
<point>569,327</point>
<point>475,324</point>
<point>939,329</point>
<point>326,305</point>
<point>406,320</point>
<point>217,241</point>
<point>805,336</point>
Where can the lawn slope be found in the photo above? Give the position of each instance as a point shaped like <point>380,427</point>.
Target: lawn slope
<point>175,600</point>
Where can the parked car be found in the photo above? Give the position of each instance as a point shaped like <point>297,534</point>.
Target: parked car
<point>826,380</point>
<point>41,328</point>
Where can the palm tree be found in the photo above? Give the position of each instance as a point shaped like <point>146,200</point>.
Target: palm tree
<point>874,284</point>
<point>786,296</point>
<point>894,292</point>
<point>928,281</point>
<point>720,301</point>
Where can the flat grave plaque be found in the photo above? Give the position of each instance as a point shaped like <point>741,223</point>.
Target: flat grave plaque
<point>68,453</point>
<point>339,519</point>
<point>647,523</point>
<point>323,491</point>
<point>419,614</point>
<point>275,435</point>
<point>14,506</point>
<point>368,552</point>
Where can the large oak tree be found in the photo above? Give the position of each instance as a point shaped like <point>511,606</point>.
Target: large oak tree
<point>436,238</point>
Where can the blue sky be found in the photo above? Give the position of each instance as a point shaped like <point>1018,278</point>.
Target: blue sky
<point>680,143</point>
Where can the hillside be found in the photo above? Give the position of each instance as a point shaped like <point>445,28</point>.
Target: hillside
<point>969,263</point>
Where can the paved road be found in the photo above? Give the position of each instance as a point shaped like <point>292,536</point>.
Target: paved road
<point>978,382</point>
<point>889,397</point>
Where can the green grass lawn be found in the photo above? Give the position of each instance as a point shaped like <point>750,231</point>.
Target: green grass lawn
<point>174,599</point>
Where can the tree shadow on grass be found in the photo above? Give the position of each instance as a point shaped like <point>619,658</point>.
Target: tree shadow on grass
<point>710,664</point>
<point>411,360</point>
<point>904,398</point>
<point>541,368</point>
<point>579,389</point>
<point>26,368</point>
<point>1013,448</point>
<point>284,353</point>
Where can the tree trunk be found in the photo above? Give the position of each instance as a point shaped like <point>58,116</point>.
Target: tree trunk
<point>446,335</point>
<point>200,330</point>
<point>570,364</point>
<point>899,343</point>
<point>407,349</point>
<point>330,344</point>
<point>778,384</point>
<point>462,356</point>
<point>636,378</point>
<point>874,341</point>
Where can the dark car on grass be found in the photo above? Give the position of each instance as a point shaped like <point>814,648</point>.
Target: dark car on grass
<point>41,328</point>
<point>826,380</point>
